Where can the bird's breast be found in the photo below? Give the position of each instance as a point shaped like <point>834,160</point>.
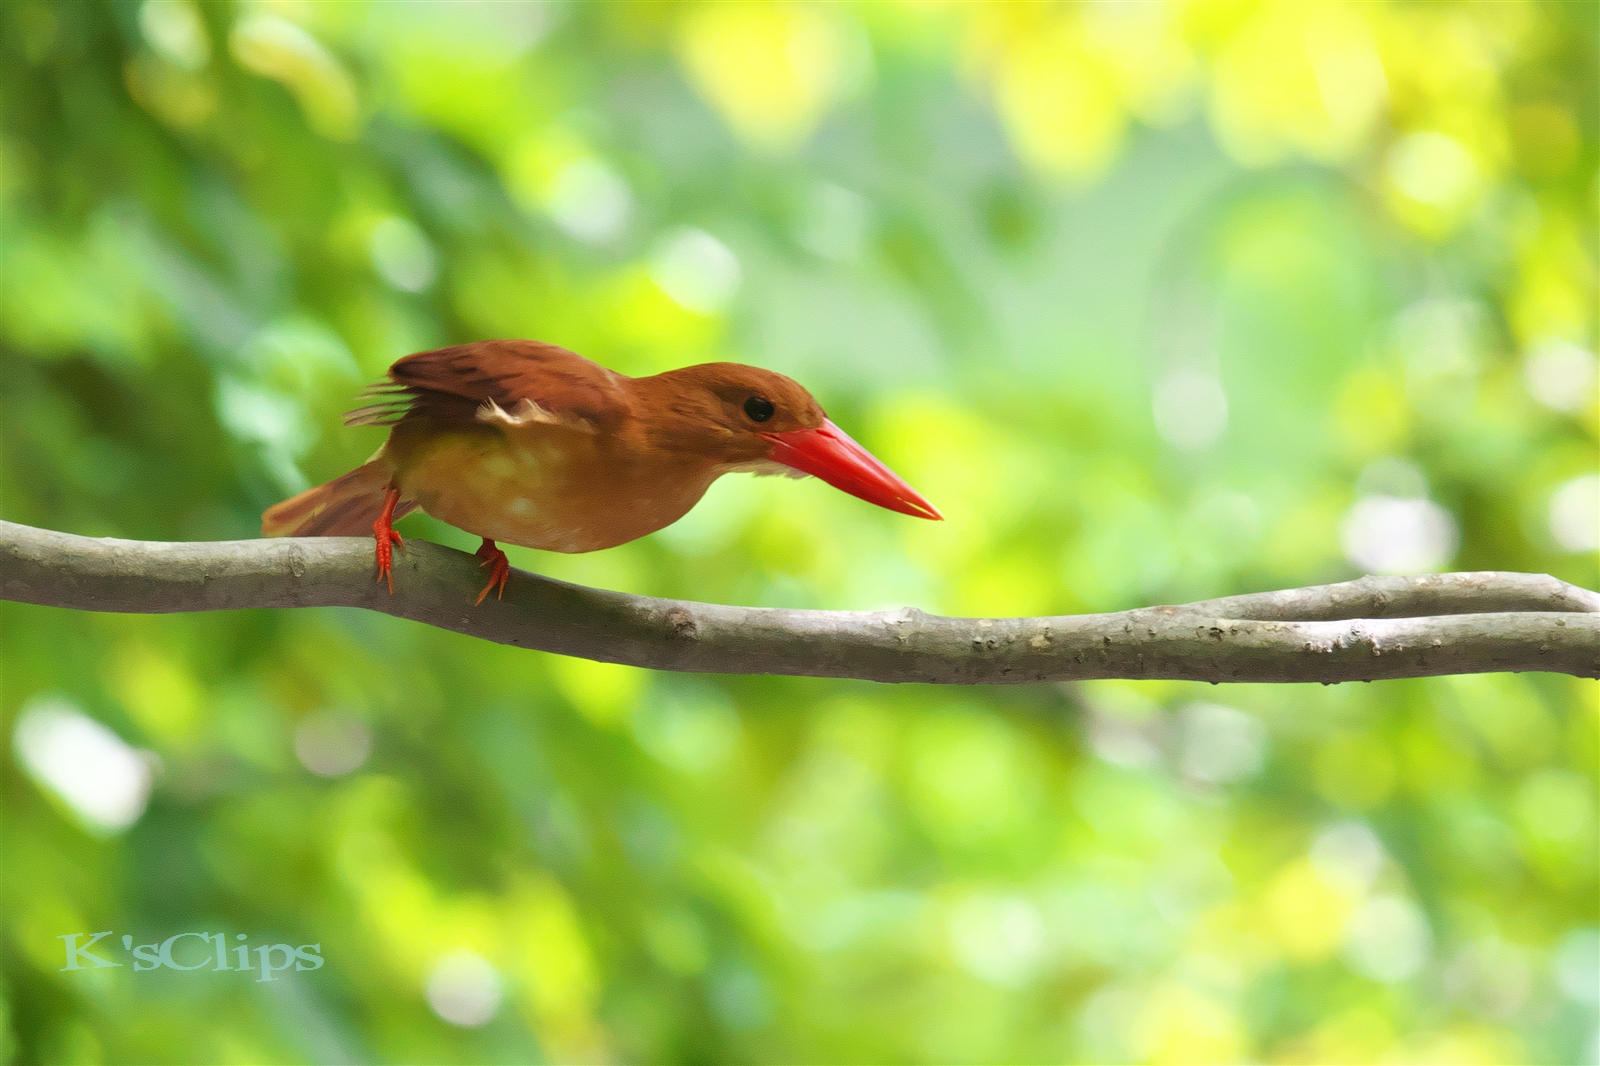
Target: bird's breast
<point>553,488</point>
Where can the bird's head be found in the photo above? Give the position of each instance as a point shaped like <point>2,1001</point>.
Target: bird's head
<point>744,418</point>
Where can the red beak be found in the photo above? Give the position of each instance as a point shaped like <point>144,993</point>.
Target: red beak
<point>827,452</point>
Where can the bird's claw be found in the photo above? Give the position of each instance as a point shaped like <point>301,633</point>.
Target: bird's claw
<point>384,533</point>
<point>499,570</point>
<point>387,540</point>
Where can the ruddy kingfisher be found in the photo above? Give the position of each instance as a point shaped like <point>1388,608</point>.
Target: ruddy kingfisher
<point>526,443</point>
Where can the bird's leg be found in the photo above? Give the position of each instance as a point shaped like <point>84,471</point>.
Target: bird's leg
<point>499,569</point>
<point>383,532</point>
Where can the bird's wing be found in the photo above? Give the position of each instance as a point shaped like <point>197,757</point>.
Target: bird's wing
<point>506,383</point>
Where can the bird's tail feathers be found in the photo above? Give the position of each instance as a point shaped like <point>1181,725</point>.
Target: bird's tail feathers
<point>344,507</point>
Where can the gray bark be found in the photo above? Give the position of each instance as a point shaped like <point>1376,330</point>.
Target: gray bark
<point>1362,630</point>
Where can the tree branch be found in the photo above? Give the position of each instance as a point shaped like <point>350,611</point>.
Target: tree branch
<point>1356,631</point>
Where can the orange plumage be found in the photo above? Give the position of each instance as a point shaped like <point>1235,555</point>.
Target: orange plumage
<point>530,444</point>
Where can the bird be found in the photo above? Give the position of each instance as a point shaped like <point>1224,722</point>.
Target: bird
<point>524,442</point>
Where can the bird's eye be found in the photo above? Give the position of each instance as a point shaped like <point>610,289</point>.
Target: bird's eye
<point>758,408</point>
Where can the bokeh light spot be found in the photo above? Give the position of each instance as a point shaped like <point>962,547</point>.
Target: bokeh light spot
<point>1390,535</point>
<point>697,270</point>
<point>770,69</point>
<point>1575,514</point>
<point>1000,939</point>
<point>463,988</point>
<point>590,201</point>
<point>1389,939</point>
<point>1221,744</point>
<point>1348,853</point>
<point>1191,408</point>
<point>1577,965</point>
<point>1562,376</point>
<point>174,29</point>
<point>101,779</point>
<point>403,255</point>
<point>332,743</point>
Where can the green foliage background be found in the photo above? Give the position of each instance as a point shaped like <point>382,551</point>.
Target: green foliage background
<point>1026,253</point>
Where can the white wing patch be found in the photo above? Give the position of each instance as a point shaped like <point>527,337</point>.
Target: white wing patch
<point>527,413</point>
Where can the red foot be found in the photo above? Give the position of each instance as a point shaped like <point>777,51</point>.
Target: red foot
<point>384,532</point>
<point>499,569</point>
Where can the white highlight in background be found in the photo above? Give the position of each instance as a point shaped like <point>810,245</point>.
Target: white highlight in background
<point>698,271</point>
<point>1575,514</point>
<point>1190,408</point>
<point>999,939</point>
<point>1348,854</point>
<point>464,989</point>
<point>1122,742</point>
<point>402,255</point>
<point>1389,939</point>
<point>1221,744</point>
<point>1391,535</point>
<point>590,201</point>
<point>175,29</point>
<point>1562,376</point>
<point>96,773</point>
<point>1577,965</point>
<point>331,743</point>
